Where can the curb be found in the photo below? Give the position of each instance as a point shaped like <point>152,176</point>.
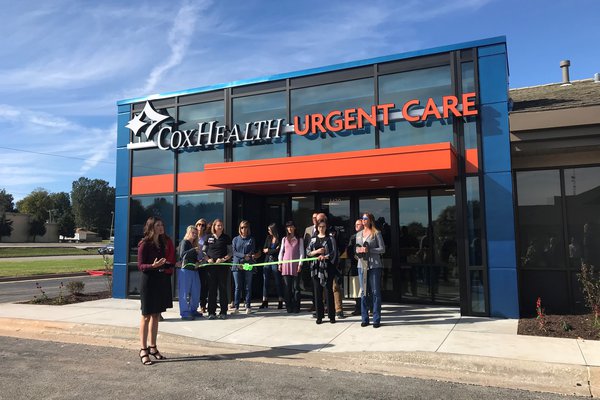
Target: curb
<point>477,370</point>
<point>42,276</point>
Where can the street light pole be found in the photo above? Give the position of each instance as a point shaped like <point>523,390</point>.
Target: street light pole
<point>112,220</point>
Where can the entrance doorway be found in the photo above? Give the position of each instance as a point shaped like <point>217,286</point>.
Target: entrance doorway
<point>418,228</point>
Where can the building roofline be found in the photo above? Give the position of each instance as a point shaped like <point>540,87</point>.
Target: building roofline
<point>319,70</point>
<point>552,84</point>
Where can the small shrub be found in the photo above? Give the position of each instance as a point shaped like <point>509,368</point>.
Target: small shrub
<point>566,326</point>
<point>61,298</point>
<point>590,286</point>
<point>108,269</point>
<point>75,287</point>
<point>43,296</point>
<point>541,316</point>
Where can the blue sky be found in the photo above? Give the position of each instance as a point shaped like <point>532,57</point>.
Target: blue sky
<point>64,64</point>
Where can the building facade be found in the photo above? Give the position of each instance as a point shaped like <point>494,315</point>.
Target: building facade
<point>419,139</point>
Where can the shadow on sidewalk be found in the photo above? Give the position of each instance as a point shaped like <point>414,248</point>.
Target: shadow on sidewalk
<point>275,352</point>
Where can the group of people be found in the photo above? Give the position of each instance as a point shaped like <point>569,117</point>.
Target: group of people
<point>206,256</point>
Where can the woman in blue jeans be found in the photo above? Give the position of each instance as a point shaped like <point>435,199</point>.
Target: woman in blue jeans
<point>244,252</point>
<point>369,248</point>
<point>271,250</point>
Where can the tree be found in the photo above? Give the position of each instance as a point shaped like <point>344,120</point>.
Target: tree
<point>63,213</point>
<point>37,204</point>
<point>93,201</point>
<point>37,227</point>
<point>5,226</point>
<point>6,202</point>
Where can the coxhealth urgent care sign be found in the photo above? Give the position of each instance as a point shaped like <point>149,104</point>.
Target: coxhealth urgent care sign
<point>159,134</point>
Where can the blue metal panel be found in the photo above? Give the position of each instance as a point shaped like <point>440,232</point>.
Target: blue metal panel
<point>493,79</point>
<point>119,290</point>
<point>122,131</point>
<point>495,137</point>
<point>121,228</point>
<point>125,108</point>
<point>504,297</point>
<point>122,181</point>
<point>491,50</point>
<point>499,216</point>
<point>500,40</point>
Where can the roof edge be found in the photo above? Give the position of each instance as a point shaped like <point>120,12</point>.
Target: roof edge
<point>318,70</point>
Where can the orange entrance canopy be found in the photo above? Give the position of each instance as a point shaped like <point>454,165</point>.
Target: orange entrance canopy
<point>408,166</point>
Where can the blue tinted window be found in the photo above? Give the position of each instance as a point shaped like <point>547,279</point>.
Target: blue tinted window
<point>421,85</point>
<point>193,159</point>
<point>140,209</point>
<point>257,108</point>
<point>324,99</point>
<point>470,123</point>
<point>192,207</point>
<point>152,162</point>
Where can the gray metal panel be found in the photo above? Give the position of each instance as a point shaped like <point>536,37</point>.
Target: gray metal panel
<point>259,88</point>
<point>201,97</point>
<point>414,63</point>
<point>332,77</point>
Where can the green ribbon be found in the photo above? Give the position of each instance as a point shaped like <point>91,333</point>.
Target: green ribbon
<point>249,267</point>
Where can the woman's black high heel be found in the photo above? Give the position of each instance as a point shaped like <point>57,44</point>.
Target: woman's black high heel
<point>156,354</point>
<point>145,355</point>
<point>265,304</point>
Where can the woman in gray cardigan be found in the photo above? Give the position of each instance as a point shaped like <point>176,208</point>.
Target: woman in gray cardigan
<point>369,248</point>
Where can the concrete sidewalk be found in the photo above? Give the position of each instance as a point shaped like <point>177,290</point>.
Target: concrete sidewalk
<point>420,341</point>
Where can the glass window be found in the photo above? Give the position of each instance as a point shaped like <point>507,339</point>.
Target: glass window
<point>140,209</point>
<point>540,219</point>
<point>421,85</point>
<point>152,162</point>
<point>444,274</point>
<point>302,210</point>
<point>324,99</point>
<point>192,207</point>
<point>253,109</point>
<point>474,221</point>
<point>477,291</point>
<point>338,214</point>
<point>413,243</point>
<point>193,159</point>
<point>469,123</point>
<point>582,190</point>
<point>380,208</point>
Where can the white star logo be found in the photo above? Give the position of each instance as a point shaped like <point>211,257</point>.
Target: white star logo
<point>137,123</point>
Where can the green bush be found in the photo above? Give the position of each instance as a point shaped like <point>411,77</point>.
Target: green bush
<point>75,287</point>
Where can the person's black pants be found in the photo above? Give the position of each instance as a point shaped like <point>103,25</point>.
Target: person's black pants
<point>203,286</point>
<point>291,291</point>
<point>318,295</point>
<point>217,281</point>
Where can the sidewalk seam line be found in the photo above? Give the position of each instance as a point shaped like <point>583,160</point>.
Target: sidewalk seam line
<point>447,335</point>
<point>336,336</point>
<point>239,329</point>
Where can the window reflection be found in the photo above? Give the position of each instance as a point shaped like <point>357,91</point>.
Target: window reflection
<point>324,99</point>
<point>193,159</point>
<point>474,221</point>
<point>470,123</point>
<point>257,108</point>
<point>540,222</point>
<point>148,162</point>
<point>445,272</point>
<point>421,85</point>
<point>192,207</point>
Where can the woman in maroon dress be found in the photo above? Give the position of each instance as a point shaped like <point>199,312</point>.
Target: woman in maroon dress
<point>156,258</point>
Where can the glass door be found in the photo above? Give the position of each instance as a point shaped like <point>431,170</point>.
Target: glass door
<point>414,246</point>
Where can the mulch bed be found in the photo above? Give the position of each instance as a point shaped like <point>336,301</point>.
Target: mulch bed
<point>582,327</point>
<point>70,298</point>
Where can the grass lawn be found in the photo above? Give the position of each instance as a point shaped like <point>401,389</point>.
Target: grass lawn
<point>27,268</point>
<point>6,252</point>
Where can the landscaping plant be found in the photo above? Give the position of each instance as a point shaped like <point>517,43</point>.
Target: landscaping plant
<point>541,316</point>
<point>590,285</point>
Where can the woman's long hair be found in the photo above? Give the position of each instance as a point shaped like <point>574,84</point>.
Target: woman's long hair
<point>273,229</point>
<point>212,226</point>
<point>372,222</point>
<point>291,223</point>
<point>244,222</point>
<point>188,235</point>
<point>149,232</point>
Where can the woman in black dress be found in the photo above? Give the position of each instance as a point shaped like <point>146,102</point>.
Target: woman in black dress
<point>156,258</point>
<point>323,270</point>
<point>217,250</point>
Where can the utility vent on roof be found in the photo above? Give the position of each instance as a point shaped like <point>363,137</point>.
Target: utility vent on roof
<point>564,65</point>
<point>596,78</point>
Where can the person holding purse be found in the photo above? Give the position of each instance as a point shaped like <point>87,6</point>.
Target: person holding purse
<point>369,248</point>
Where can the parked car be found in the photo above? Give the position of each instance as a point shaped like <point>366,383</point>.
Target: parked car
<point>107,249</point>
